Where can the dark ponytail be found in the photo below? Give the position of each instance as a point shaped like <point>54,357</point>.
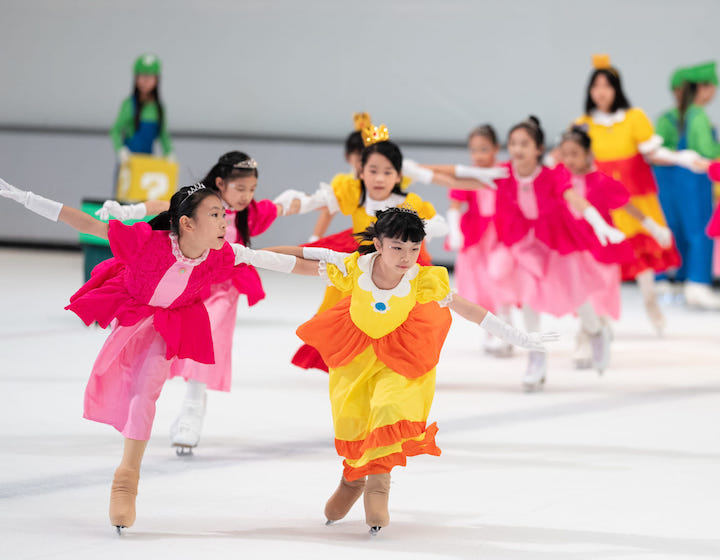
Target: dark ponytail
<point>687,97</point>
<point>398,222</point>
<point>234,165</point>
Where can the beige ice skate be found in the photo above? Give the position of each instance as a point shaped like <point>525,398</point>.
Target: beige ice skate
<point>343,498</point>
<point>122,497</point>
<point>377,492</point>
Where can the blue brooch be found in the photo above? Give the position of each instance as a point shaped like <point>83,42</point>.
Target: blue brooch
<point>380,307</point>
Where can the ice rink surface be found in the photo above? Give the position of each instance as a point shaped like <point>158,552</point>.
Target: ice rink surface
<point>623,466</point>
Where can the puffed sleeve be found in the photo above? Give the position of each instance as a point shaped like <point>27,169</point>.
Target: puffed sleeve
<point>460,195</point>
<point>615,194</point>
<point>424,209</point>
<point>127,242</point>
<point>561,179</point>
<point>433,284</point>
<point>261,215</point>
<point>335,276</point>
<point>642,128</point>
<point>347,192</point>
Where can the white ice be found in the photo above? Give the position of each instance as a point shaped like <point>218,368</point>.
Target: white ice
<point>623,466</point>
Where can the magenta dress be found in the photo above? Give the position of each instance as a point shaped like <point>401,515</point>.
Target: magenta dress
<point>474,261</point>
<point>543,258</point>
<point>153,296</point>
<point>222,302</point>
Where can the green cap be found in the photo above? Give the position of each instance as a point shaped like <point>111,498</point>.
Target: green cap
<point>678,78</point>
<point>701,74</point>
<point>147,63</point>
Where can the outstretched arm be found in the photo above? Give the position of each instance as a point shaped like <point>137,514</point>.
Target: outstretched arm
<point>501,329</point>
<point>660,233</point>
<point>603,231</point>
<point>455,177</point>
<point>131,211</point>
<point>55,211</point>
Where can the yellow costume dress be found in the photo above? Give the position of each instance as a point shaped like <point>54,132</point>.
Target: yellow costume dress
<point>348,191</point>
<point>617,141</point>
<point>382,347</point>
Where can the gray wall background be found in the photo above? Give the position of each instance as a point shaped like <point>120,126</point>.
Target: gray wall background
<point>281,79</point>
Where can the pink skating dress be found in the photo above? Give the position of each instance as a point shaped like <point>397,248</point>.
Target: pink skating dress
<point>605,194</point>
<point>474,263</point>
<point>153,296</point>
<point>543,258</point>
<point>222,302</point>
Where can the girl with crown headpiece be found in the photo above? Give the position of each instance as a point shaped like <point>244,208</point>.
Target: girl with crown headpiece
<point>152,293</point>
<point>380,184</point>
<point>235,178</point>
<point>382,344</point>
<point>686,195</point>
<point>623,141</point>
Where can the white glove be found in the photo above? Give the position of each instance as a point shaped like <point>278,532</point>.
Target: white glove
<point>604,231</point>
<point>43,206</point>
<point>123,154</point>
<point>661,234</point>
<point>121,211</point>
<point>286,198</point>
<point>263,259</point>
<point>326,255</point>
<point>483,174</point>
<point>508,333</point>
<point>455,236</point>
<point>417,173</point>
<point>684,158</point>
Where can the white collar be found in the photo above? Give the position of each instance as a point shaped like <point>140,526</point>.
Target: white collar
<point>373,206</point>
<point>382,297</point>
<point>607,119</point>
<point>177,253</point>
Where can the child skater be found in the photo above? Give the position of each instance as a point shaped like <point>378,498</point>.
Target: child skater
<point>472,233</point>
<point>623,138</point>
<point>543,258</point>
<point>382,344</point>
<point>235,178</point>
<point>152,292</point>
<point>142,118</point>
<point>605,194</point>
<point>378,186</point>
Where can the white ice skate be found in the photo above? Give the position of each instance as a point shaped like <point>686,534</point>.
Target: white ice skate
<point>534,377</point>
<point>701,296</point>
<point>185,431</point>
<point>600,348</point>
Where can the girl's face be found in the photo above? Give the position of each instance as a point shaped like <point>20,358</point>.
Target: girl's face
<point>602,93</point>
<point>379,176</point>
<point>482,151</point>
<point>239,192</point>
<point>146,83</point>
<point>207,227</point>
<point>575,157</point>
<point>355,161</point>
<point>705,93</point>
<point>398,256</point>
<point>522,148</point>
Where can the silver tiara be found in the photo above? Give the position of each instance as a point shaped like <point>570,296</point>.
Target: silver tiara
<point>192,190</point>
<point>246,164</point>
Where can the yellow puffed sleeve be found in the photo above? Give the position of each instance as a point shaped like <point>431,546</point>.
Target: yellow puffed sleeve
<point>347,191</point>
<point>433,284</point>
<point>642,128</point>
<point>424,209</point>
<point>342,282</point>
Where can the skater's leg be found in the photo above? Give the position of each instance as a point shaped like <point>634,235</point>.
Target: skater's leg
<point>646,283</point>
<point>346,494</point>
<point>377,492</point>
<point>125,484</point>
<point>534,377</point>
<point>598,336</point>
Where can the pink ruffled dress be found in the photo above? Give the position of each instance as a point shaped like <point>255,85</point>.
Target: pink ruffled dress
<point>543,257</point>
<point>222,302</point>
<point>153,296</point>
<point>605,194</point>
<point>475,258</point>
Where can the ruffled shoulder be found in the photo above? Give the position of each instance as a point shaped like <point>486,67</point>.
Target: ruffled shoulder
<point>424,209</point>
<point>261,214</point>
<point>343,282</point>
<point>433,284</point>
<point>347,192</point>
<point>642,128</point>
<point>127,242</point>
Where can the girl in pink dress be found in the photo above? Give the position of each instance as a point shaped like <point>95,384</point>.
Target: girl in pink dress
<point>543,260</point>
<point>235,176</point>
<point>605,194</point>
<point>152,293</point>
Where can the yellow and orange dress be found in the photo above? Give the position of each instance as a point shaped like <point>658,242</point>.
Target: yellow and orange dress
<point>618,141</point>
<point>348,191</point>
<point>382,347</point>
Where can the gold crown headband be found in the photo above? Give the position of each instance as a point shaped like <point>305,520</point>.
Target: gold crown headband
<point>602,62</point>
<point>374,134</point>
<point>361,120</point>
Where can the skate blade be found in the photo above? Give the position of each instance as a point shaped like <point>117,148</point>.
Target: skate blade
<point>329,522</point>
<point>183,450</point>
<point>119,529</point>
<point>374,531</point>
